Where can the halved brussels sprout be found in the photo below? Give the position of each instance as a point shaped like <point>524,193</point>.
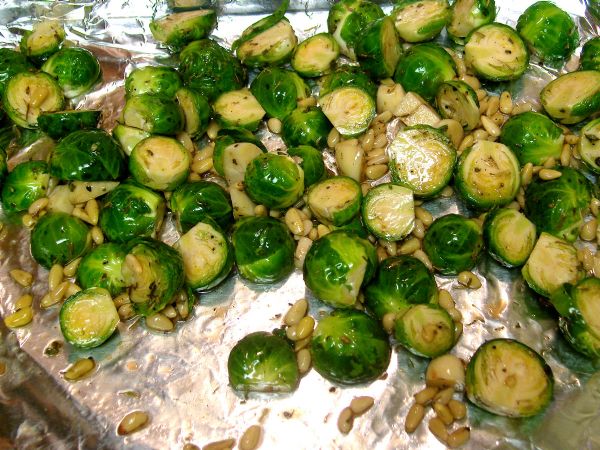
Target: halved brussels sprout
<point>588,145</point>
<point>311,162</point>
<point>457,100</point>
<point>59,124</point>
<point>101,267</point>
<point>180,28</point>
<point>88,318</point>
<point>558,206</point>
<point>263,248</point>
<point>129,137</point>
<point>210,69</point>
<point>572,97</point>
<point>224,144</point>
<point>156,115</point>
<point>509,236</point>
<point>551,263</point>
<point>160,163</point>
<point>453,244</point>
<point>43,40</point>
<point>335,200</point>
<point>263,362</point>
<point>349,109</point>
<point>131,210</point>
<point>466,15</point>
<point>238,109</point>
<point>422,159</point>
<point>401,281</point>
<point>196,111</point>
<point>508,378</point>
<point>88,155</point>
<point>156,80</point>
<point>275,181</point>
<point>26,183</point>
<point>347,19</point>
<point>12,63</point>
<point>349,347</point>
<point>549,31</point>
<point>425,330</point>
<point>388,211</point>
<point>316,55</point>
<point>590,55</point>
<point>306,126</point>
<point>236,159</point>
<point>59,238</point>
<point>278,91</point>
<point>76,69</point>
<point>28,94</point>
<point>83,191</point>
<point>496,52</point>
<point>347,76</point>
<point>274,46</point>
<point>337,265</point>
<point>354,226</point>
<point>423,68</point>
<point>378,49</point>
<point>193,202</point>
<point>533,137</point>
<point>420,20</point>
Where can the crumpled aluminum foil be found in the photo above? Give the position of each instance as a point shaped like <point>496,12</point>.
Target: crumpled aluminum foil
<point>180,379</point>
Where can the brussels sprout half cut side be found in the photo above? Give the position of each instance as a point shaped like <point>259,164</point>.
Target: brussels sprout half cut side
<point>101,267</point>
<point>347,76</point>
<point>278,91</point>
<point>420,20</point>
<point>508,378</point>
<point>306,126</point>
<point>235,160</point>
<point>238,109</point>
<point>335,200</point>
<point>509,236</point>
<point>590,55</point>
<point>193,202</point>
<point>378,49</point>
<point>156,80</point>
<point>156,115</point>
<point>466,15</point>
<point>76,69</point>
<point>274,46</point>
<point>349,109</point>
<point>180,28</point>
<point>60,124</point>
<point>589,145</point>
<point>129,137</point>
<point>43,40</point>
<point>26,183</point>
<point>88,318</point>
<point>388,211</point>
<point>572,97</point>
<point>316,55</point>
<point>12,63</point>
<point>457,100</point>
<point>426,330</point>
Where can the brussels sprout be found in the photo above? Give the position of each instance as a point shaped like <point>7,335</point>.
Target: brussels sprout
<point>178,29</point>
<point>378,49</point>
<point>466,15</point>
<point>101,267</point>
<point>306,126</point>
<point>263,362</point>
<point>278,91</point>
<point>43,40</point>
<point>420,20</point>
<point>196,111</point>
<point>88,318</point>
<point>509,236</point>
<point>153,273</point>
<point>457,100</point>
<point>207,255</point>
<point>549,31</point>
<point>579,321</point>
<point>187,5</point>
<point>88,155</point>
<point>129,137</point>
<point>347,20</point>
<point>153,114</point>
<point>59,124</point>
<point>453,244</point>
<point>347,76</point>
<point>12,63</point>
<point>337,265</point>
<point>210,69</point>
<point>426,330</point>
<point>59,238</point>
<point>193,202</point>
<point>76,69</point>
<point>558,206</point>
<point>423,68</point>
<point>263,248</point>
<point>388,211</point>
<point>275,181</point>
<point>155,80</point>
<point>235,159</point>
<point>27,95</point>
<point>588,145</point>
<point>274,46</point>
<point>238,109</point>
<point>533,138</point>
<point>401,281</point>
<point>349,109</point>
<point>551,263</point>
<point>316,55</point>
<point>422,159</point>
<point>3,164</point>
<point>226,138</point>
<point>590,55</point>
<point>84,191</point>
<point>335,200</point>
<point>572,97</point>
<point>349,347</point>
<point>508,378</point>
<point>160,163</point>
<point>26,183</point>
<point>496,52</point>
<point>488,174</point>
<point>355,226</point>
<point>311,162</point>
<point>131,210</point>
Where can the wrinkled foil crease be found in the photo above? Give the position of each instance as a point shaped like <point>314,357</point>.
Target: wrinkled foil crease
<point>180,379</point>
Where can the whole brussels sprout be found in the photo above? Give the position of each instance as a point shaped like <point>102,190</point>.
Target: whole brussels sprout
<point>311,163</point>
<point>156,115</point>
<point>349,347</point>
<point>347,76</point>
<point>278,91</point>
<point>26,183</point>
<point>590,55</point>
<point>88,155</point>
<point>11,63</point>
<point>76,69</point>
<point>101,267</point>
<point>337,265</point>
<point>453,244</point>
<point>420,20</point>
<point>379,48</point>
<point>59,238</point>
<point>180,28</point>
<point>194,201</point>
<point>62,123</point>
<point>42,41</point>
<point>155,80</point>
<point>306,126</point>
<point>466,15</point>
<point>196,111</point>
<point>263,248</point>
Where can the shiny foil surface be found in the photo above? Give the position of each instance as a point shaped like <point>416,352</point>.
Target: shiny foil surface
<point>180,378</point>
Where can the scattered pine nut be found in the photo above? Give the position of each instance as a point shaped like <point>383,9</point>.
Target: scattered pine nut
<point>22,277</point>
<point>301,330</point>
<point>444,396</point>
<point>25,301</point>
<point>274,125</point>
<point>414,417</point>
<point>526,174</point>
<point>304,360</point>
<point>132,422</point>
<point>39,205</point>
<point>425,396</point>
<point>506,104</point>
<point>159,322</point>
<point>28,221</point>
<point>422,256</point>
<point>588,230</point>
<point>296,312</point>
<point>469,280</point>
<point>459,437</point>
<point>409,246</point>
<point>443,413</point>
<point>345,421</point>
<point>424,216</point>
<point>458,409</point>
<point>549,174</point>
<point>19,318</point>
<point>71,269</point>
<point>447,192</point>
<point>437,427</point>
<point>97,235</point>
<point>225,444</point>
<point>251,438</point>
<point>360,405</point>
<point>79,369</point>
<point>389,322</point>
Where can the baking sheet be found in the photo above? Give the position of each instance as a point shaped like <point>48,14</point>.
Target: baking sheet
<point>180,379</point>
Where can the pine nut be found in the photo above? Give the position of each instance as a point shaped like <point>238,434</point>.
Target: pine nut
<point>275,213</point>
<point>445,299</point>
<point>493,106</point>
<point>25,301</point>
<point>360,405</point>
<point>469,280</point>
<point>126,311</point>
<point>28,220</point>
<point>193,176</point>
<point>189,446</point>
<point>302,343</point>
<point>549,174</point>
<point>418,229</point>
<point>490,126</point>
<point>303,359</point>
<point>384,117</point>
<point>377,159</point>
<point>424,216</point>
<point>443,413</point>
<point>526,174</point>
<point>294,221</point>
<point>447,192</point>
<point>595,206</point>
<point>389,246</point>
<point>323,230</point>
<point>481,94</point>
<point>444,396</point>
<point>296,312</point>
<point>521,198</point>
<point>523,107</point>
<point>306,102</point>
<point>226,444</point>
<point>437,427</point>
<point>458,409</point>
<point>72,289</point>
<point>169,312</point>
<point>22,277</point>
<point>302,330</point>
<point>251,438</point>
<point>467,142</point>
<point>274,125</point>
<point>183,309</point>
<point>345,421</point>
<point>212,130</point>
<point>37,206</point>
<point>19,318</point>
<point>97,235</point>
<point>499,118</point>
<point>302,248</point>
<point>596,268</point>
<point>445,371</point>
<point>2,368</point>
<point>260,210</point>
<point>378,128</point>
<point>454,130</point>
<point>382,254</point>
<point>132,422</point>
<point>380,141</point>
<point>588,230</point>
<point>134,264</point>
<point>159,322</point>
<point>565,155</point>
<point>333,138</point>
<point>121,300</point>
<point>455,314</point>
<point>92,211</point>
<point>71,269</point>
<point>549,163</point>
<point>414,417</point>
<point>409,246</point>
<point>588,260</point>
<point>422,256</point>
<point>459,437</point>
<point>205,152</point>
<point>572,139</point>
<point>374,172</point>
<point>425,396</point>
<point>472,81</point>
<point>56,295</point>
<point>367,140</point>
<point>79,369</point>
<point>506,104</point>
<point>202,166</point>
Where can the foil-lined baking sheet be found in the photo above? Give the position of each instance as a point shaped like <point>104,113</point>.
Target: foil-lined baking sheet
<point>180,379</point>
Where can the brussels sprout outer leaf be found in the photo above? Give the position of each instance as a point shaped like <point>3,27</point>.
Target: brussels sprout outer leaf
<point>306,126</point>
<point>193,202</point>
<point>311,162</point>
<point>156,80</point>
<point>378,49</point>
<point>76,69</point>
<point>60,124</point>
<point>101,267</point>
<point>12,63</point>
<point>590,55</point>
<point>278,91</point>
<point>27,182</point>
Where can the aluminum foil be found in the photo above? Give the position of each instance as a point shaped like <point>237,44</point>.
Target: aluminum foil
<point>180,379</point>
